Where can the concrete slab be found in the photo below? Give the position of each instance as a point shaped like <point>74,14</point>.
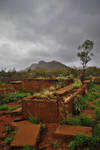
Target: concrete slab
<point>70,131</point>
<point>27,134</point>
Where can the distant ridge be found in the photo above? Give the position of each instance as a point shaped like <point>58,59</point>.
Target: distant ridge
<point>52,65</point>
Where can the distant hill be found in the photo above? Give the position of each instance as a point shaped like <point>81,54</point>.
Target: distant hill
<point>52,65</point>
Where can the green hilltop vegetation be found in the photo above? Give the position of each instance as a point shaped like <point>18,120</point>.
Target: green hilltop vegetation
<point>7,76</point>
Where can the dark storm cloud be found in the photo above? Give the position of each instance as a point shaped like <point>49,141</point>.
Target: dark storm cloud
<point>33,30</point>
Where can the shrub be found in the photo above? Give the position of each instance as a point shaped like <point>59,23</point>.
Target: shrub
<point>78,120</point>
<point>52,88</point>
<point>71,120</point>
<point>77,142</point>
<point>34,120</point>
<point>92,107</point>
<point>12,108</point>
<point>86,120</point>
<point>60,81</point>
<point>97,116</point>
<point>45,93</point>
<point>4,107</point>
<point>9,139</point>
<point>96,130</point>
<point>9,129</point>
<point>97,103</point>
<point>82,141</point>
<point>13,97</point>
<point>77,83</point>
<point>27,147</point>
<point>61,78</point>
<point>80,104</point>
<point>1,97</point>
<point>58,86</point>
<point>55,145</point>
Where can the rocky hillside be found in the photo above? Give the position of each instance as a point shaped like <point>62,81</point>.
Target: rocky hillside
<point>52,65</point>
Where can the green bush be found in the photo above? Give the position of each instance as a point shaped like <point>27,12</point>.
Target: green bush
<point>55,145</point>
<point>92,107</point>
<point>27,147</point>
<point>77,142</point>
<point>9,129</point>
<point>80,104</point>
<point>96,130</point>
<point>58,86</point>
<point>60,81</point>
<point>4,107</point>
<point>97,116</point>
<point>86,120</point>
<point>77,83</point>
<point>13,97</point>
<point>12,108</point>
<point>82,141</point>
<point>9,139</point>
<point>71,120</point>
<point>78,120</point>
<point>34,120</point>
<point>61,78</point>
<point>45,93</point>
<point>97,103</point>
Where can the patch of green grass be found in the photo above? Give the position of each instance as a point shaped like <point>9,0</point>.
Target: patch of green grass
<point>97,116</point>
<point>9,139</point>
<point>27,147</point>
<point>97,103</point>
<point>9,129</point>
<point>9,108</point>
<point>82,141</point>
<point>4,107</point>
<point>13,97</point>
<point>34,120</point>
<point>86,120</point>
<point>96,130</point>
<point>78,120</point>
<point>12,108</point>
<point>80,104</point>
<point>55,145</point>
<point>92,107</point>
<point>45,93</point>
<point>77,83</point>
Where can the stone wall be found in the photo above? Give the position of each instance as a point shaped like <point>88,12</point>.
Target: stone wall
<point>36,85</point>
<point>44,110</point>
<point>52,110</point>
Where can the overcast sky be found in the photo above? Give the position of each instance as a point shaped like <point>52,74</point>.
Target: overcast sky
<point>34,30</point>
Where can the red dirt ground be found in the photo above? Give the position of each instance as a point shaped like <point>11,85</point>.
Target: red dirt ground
<point>91,112</point>
<point>48,138</point>
<point>5,121</point>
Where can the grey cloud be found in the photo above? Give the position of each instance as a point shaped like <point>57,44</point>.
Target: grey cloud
<point>47,29</point>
